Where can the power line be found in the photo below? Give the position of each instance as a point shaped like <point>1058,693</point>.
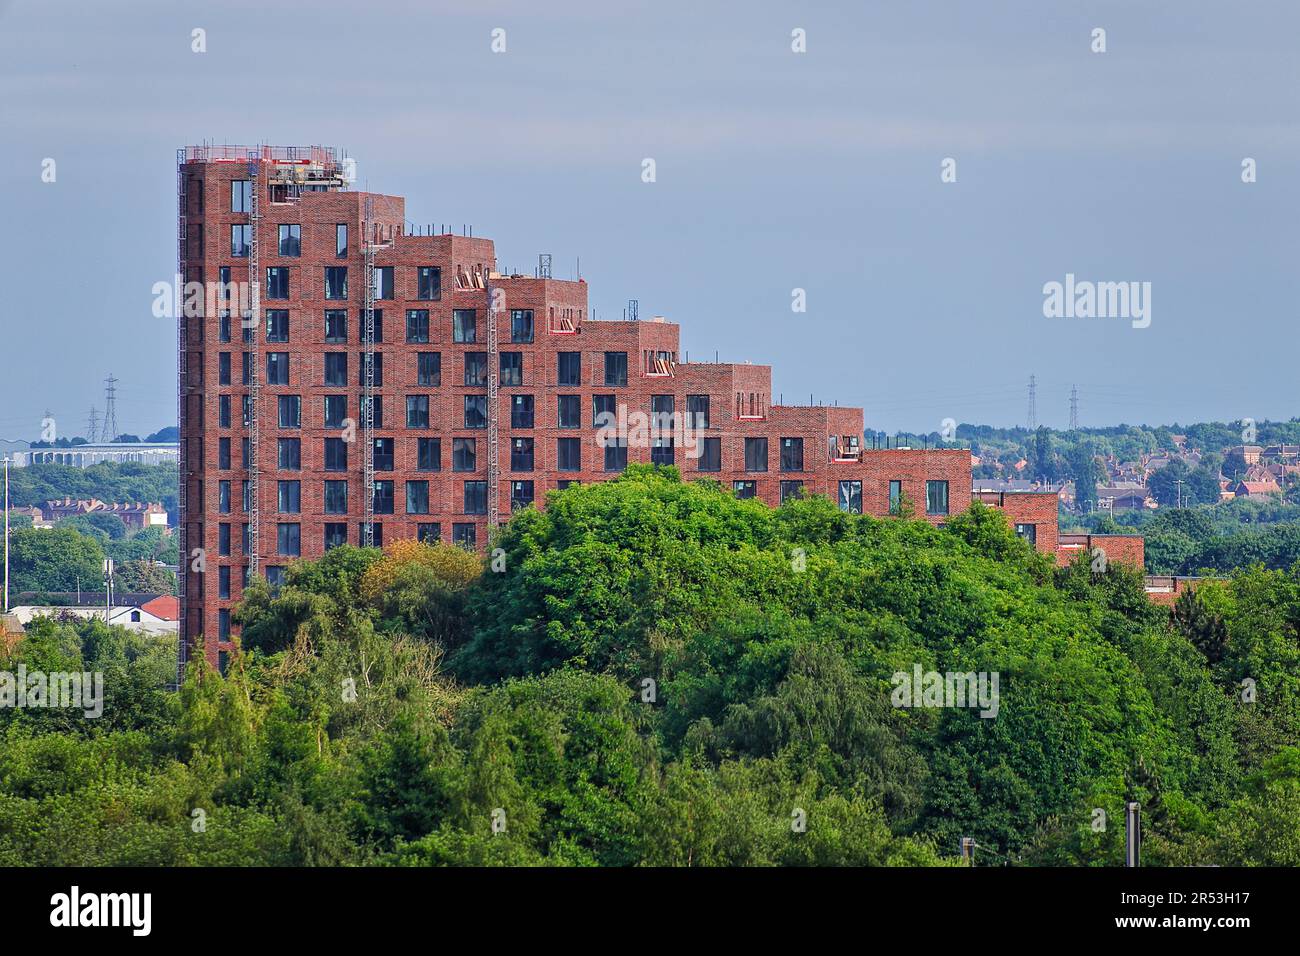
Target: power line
<point>110,408</point>
<point>1033,409</point>
<point>1074,407</point>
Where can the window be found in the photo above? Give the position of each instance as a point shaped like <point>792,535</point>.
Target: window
<point>569,411</point>
<point>239,241</point>
<point>710,454</point>
<point>417,497</point>
<point>246,369</point>
<point>246,401</point>
<point>792,454</point>
<point>895,497</point>
<point>1029,532</point>
<point>512,368</point>
<point>289,497</point>
<point>602,411</point>
<point>851,497</point>
<point>241,195</point>
<point>476,497</point>
<point>336,282</point>
<point>376,533</point>
<point>428,455</point>
<point>383,499</point>
<point>661,412</point>
<point>428,283</point>
<point>336,454</point>
<point>790,489</point>
<point>336,534</point>
<point>521,411</point>
<point>223,454</point>
<point>223,497</point>
<point>336,497</point>
<point>246,493</point>
<point>697,411</point>
<point>224,286</point>
<point>615,369</point>
<point>378,326</point>
<point>375,408</point>
<point>341,240</point>
<point>417,326</point>
<point>223,326</point>
<point>464,534</point>
<point>568,368</point>
<point>383,454</point>
<point>378,365</point>
<point>223,539</point>
<point>383,285</point>
<point>662,451</point>
<point>615,455</point>
<point>936,497</point>
<point>336,369</point>
<point>464,326</point>
<point>475,369</point>
<point>756,454</point>
<point>429,532</point>
<point>244,444</point>
<point>336,325</point>
<point>290,240</point>
<point>243,544</point>
<point>563,483</point>
<point>476,411</point>
<point>568,454</point>
<point>289,454</point>
<point>521,494</point>
<point>521,454</point>
<point>336,411</point>
<point>277,368</point>
<point>290,407</point>
<point>463,454</point>
<point>223,410</point>
<point>417,411</point>
<point>277,325</point>
<point>223,631</point>
<point>288,542</point>
<point>429,369</point>
<point>223,368</point>
<point>521,325</point>
<point>277,282</point>
<point>745,489</point>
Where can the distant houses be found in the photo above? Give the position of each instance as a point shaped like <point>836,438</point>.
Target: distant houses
<point>135,515</point>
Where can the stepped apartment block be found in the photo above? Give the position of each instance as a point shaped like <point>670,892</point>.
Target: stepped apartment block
<point>376,384</point>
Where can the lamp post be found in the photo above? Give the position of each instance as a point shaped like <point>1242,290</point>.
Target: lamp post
<point>6,534</point>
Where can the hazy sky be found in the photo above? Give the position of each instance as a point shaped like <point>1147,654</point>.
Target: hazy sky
<point>775,170</point>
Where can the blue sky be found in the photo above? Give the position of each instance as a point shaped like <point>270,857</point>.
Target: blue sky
<point>775,171</point>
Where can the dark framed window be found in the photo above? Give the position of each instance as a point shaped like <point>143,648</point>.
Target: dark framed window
<point>341,240</point>
<point>223,411</point>
<point>521,495</point>
<point>336,534</point>
<point>512,368</point>
<point>697,411</point>
<point>288,542</point>
<point>464,455</point>
<point>336,369</point>
<point>289,497</point>
<point>417,497</point>
<point>710,454</point>
<point>745,489</point>
<point>241,195</point>
<point>895,497</point>
<point>383,454</point>
<point>464,325</point>
<point>615,455</point>
<point>417,326</point>
<point>521,411</point>
<point>475,370</point>
<point>429,532</point>
<point>568,369</point>
<point>661,412</point>
<point>791,488</point>
<point>521,454</point>
<point>289,454</point>
<point>936,497</point>
<point>615,369</point>
<point>223,454</point>
<point>223,626</point>
<point>290,408</point>
<point>428,283</point>
<point>378,363</point>
<point>336,496</point>
<point>246,368</point>
<point>290,240</point>
<point>379,326</point>
<point>277,325</point>
<point>851,497</point>
<point>383,498</point>
<point>568,454</point>
<point>336,411</point>
<point>475,500</point>
<point>417,411</point>
<point>465,535</point>
<point>1029,532</point>
<point>756,454</point>
<point>568,411</point>
<point>223,581</point>
<point>603,413</point>
<point>239,241</point>
<point>429,369</point>
<point>223,368</point>
<point>428,454</point>
<point>223,539</point>
<point>336,325</point>
<point>521,325</point>
<point>476,411</point>
<point>375,407</point>
<point>277,282</point>
<point>223,497</point>
<point>662,451</point>
<point>336,282</point>
<point>383,282</point>
<point>277,368</point>
<point>223,326</point>
<point>792,454</point>
<point>376,533</point>
<point>336,454</point>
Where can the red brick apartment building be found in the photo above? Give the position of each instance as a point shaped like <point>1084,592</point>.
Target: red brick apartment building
<point>472,394</point>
